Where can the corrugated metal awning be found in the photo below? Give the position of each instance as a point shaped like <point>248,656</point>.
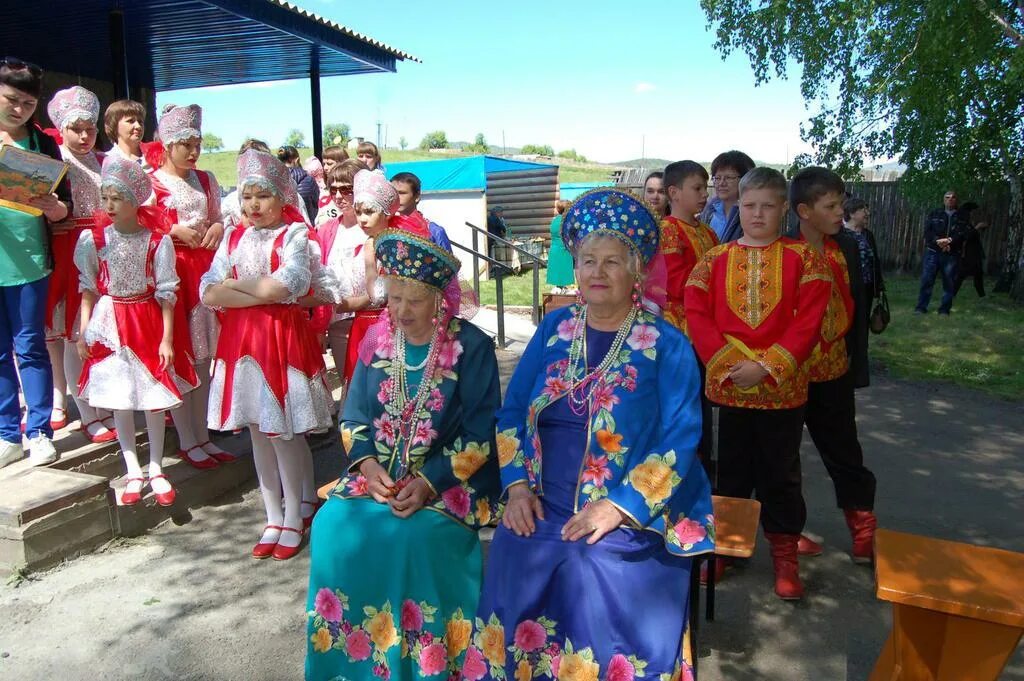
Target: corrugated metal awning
<point>175,44</point>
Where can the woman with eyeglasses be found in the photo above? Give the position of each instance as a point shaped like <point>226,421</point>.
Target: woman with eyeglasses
<point>722,212</point>
<point>25,267</point>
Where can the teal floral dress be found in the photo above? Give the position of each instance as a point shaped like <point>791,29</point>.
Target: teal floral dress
<point>393,598</point>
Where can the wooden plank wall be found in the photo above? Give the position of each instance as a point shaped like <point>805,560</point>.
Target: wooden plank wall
<point>899,226</point>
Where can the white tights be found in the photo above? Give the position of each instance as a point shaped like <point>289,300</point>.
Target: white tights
<point>190,418</point>
<point>281,466</point>
<point>124,421</point>
<point>67,370</point>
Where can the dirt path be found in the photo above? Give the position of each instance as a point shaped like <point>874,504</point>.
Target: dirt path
<point>187,603</point>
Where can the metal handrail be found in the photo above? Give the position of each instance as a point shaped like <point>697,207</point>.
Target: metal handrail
<point>498,287</point>
<point>537,260</point>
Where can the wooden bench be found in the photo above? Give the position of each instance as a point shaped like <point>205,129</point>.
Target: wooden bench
<point>326,490</point>
<point>736,523</point>
<point>958,609</point>
<point>553,301</point>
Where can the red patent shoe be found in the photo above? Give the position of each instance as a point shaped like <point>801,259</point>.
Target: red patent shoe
<point>307,521</point>
<point>108,436</point>
<point>221,457</point>
<point>132,498</point>
<point>201,464</point>
<point>57,424</point>
<point>264,549</point>
<point>163,498</point>
<point>805,546</point>
<point>286,552</point>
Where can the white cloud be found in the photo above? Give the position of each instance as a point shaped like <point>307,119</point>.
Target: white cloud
<point>644,87</point>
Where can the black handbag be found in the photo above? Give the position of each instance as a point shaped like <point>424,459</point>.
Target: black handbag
<point>879,318</point>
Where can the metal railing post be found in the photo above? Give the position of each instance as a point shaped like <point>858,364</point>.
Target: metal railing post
<point>500,292</point>
<point>536,293</point>
<point>476,266</point>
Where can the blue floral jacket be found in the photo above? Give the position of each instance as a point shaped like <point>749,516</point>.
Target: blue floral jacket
<point>450,443</point>
<point>642,436</point>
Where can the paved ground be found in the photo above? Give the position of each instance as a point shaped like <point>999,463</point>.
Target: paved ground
<point>187,603</point>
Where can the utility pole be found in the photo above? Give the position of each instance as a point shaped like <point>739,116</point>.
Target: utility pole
<point>378,134</point>
<point>643,149</point>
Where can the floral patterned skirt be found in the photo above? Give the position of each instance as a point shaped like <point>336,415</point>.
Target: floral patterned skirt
<point>389,598</point>
<point>553,609</point>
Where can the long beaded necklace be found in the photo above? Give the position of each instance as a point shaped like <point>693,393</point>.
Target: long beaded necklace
<point>581,389</point>
<point>398,395</point>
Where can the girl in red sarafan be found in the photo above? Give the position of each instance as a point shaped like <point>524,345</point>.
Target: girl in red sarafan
<point>268,371</point>
<point>129,285</point>
<point>74,112</point>
<point>191,199</point>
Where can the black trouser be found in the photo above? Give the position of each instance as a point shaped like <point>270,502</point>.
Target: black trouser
<point>759,452</point>
<point>979,281</point>
<point>832,422</point>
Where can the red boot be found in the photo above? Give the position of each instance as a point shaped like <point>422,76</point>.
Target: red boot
<point>808,547</point>
<point>862,528</point>
<point>720,565</point>
<point>786,564</point>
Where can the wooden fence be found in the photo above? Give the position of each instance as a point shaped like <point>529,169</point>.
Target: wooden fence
<point>899,226</point>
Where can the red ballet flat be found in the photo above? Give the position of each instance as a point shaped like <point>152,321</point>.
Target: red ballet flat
<point>57,424</point>
<point>108,436</point>
<point>132,498</point>
<point>286,552</point>
<point>221,457</point>
<point>163,498</point>
<point>201,464</point>
<point>264,550</point>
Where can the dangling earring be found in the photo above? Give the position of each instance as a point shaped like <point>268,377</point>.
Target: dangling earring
<point>637,294</point>
<point>438,312</point>
<point>579,298</point>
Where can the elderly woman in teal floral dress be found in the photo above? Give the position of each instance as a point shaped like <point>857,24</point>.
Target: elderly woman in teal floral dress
<point>396,563</point>
<point>588,575</point>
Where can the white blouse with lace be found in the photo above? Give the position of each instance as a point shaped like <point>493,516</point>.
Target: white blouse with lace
<point>189,200</point>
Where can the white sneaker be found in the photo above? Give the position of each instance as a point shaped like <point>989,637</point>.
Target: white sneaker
<point>10,452</point>
<point>41,451</point>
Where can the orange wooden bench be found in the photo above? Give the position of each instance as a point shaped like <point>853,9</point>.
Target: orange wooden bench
<point>326,490</point>
<point>958,609</point>
<point>736,523</point>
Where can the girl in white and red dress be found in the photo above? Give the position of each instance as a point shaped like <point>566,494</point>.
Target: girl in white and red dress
<point>128,286</point>
<point>191,200</point>
<point>74,112</point>
<point>268,372</point>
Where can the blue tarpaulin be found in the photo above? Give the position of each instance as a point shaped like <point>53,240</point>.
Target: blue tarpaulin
<point>459,174</point>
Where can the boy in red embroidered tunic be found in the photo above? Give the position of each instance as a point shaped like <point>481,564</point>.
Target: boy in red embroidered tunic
<point>684,241</point>
<point>753,310</point>
<point>817,196</point>
<point>684,238</point>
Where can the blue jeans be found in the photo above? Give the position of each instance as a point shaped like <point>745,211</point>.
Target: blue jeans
<point>936,263</point>
<point>22,318</point>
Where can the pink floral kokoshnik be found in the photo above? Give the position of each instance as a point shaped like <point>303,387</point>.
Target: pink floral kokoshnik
<point>371,189</point>
<point>127,178</point>
<point>258,168</point>
<point>180,123</point>
<point>72,105</point>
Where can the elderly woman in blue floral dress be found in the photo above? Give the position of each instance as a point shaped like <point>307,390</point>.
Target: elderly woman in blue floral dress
<point>588,575</point>
<point>396,563</point>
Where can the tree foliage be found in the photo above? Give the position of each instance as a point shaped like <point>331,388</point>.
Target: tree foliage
<point>434,140</point>
<point>572,155</point>
<point>295,138</point>
<point>212,142</point>
<point>939,85</point>
<point>336,134</point>
<point>403,143</point>
<point>539,149</point>
<point>479,145</point>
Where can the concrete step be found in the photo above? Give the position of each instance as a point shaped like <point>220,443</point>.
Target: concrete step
<point>52,513</point>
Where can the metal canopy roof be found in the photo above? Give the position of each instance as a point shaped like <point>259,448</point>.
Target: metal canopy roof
<point>175,44</point>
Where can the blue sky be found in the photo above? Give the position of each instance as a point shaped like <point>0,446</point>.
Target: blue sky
<point>606,78</point>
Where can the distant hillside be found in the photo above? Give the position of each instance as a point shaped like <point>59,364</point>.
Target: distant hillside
<point>644,163</point>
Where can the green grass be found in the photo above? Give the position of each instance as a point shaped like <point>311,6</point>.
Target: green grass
<point>222,164</point>
<point>977,346</point>
<point>517,289</point>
